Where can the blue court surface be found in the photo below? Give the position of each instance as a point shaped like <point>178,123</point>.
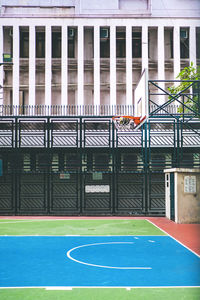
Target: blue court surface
<point>100,261</point>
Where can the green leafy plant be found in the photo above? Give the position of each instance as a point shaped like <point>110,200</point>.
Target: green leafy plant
<point>191,100</point>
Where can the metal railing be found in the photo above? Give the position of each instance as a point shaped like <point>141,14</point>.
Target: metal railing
<point>66,110</point>
<point>74,110</point>
<point>186,98</point>
<point>170,109</point>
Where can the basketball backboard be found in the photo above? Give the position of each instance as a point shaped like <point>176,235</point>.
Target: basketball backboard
<point>141,106</point>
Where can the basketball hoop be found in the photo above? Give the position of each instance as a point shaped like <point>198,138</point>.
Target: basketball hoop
<point>123,123</point>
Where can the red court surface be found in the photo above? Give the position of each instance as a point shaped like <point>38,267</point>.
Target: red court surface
<point>187,234</point>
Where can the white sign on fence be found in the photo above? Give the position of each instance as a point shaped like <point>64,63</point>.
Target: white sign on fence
<point>97,189</point>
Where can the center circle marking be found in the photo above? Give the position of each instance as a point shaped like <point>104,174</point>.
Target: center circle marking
<point>101,266</point>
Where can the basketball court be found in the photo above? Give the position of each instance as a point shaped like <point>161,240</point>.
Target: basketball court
<point>103,253</point>
<point>121,261</point>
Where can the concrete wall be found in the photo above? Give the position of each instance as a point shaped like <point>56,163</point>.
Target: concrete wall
<point>188,204</point>
<point>186,195</point>
<point>155,8</point>
<point>176,8</point>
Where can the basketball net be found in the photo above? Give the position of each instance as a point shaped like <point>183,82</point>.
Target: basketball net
<point>126,123</point>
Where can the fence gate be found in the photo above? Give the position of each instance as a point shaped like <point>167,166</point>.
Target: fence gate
<point>97,176</point>
<point>31,183</point>
<point>65,183</point>
<point>156,195</point>
<point>129,183</point>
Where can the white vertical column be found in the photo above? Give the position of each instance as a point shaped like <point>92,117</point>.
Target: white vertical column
<point>192,45</point>
<point>176,47</point>
<point>1,67</point>
<point>32,45</point>
<point>129,78</point>
<point>80,76</point>
<point>48,73</point>
<point>112,65</point>
<point>64,67</point>
<point>161,61</point>
<point>15,65</point>
<point>96,65</point>
<point>144,47</point>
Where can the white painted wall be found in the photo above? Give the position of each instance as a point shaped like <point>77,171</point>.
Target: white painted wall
<point>98,5</point>
<point>155,8</point>
<point>176,8</point>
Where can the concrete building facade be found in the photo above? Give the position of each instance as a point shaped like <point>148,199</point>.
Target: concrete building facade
<point>82,52</point>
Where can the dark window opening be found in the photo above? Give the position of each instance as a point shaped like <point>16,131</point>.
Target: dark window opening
<point>184,42</point>
<point>71,49</point>
<point>198,42</point>
<point>56,44</point>
<point>120,44</point>
<point>71,42</point>
<point>104,43</point>
<point>24,44</point>
<point>40,44</point>
<point>136,45</point>
<point>8,34</point>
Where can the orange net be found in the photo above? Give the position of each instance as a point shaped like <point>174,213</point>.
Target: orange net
<point>126,122</point>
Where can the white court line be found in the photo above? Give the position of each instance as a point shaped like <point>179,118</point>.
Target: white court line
<point>58,288</point>
<point>78,235</point>
<point>37,235</point>
<point>28,221</point>
<point>95,287</point>
<point>49,220</point>
<point>174,238</point>
<point>101,266</point>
